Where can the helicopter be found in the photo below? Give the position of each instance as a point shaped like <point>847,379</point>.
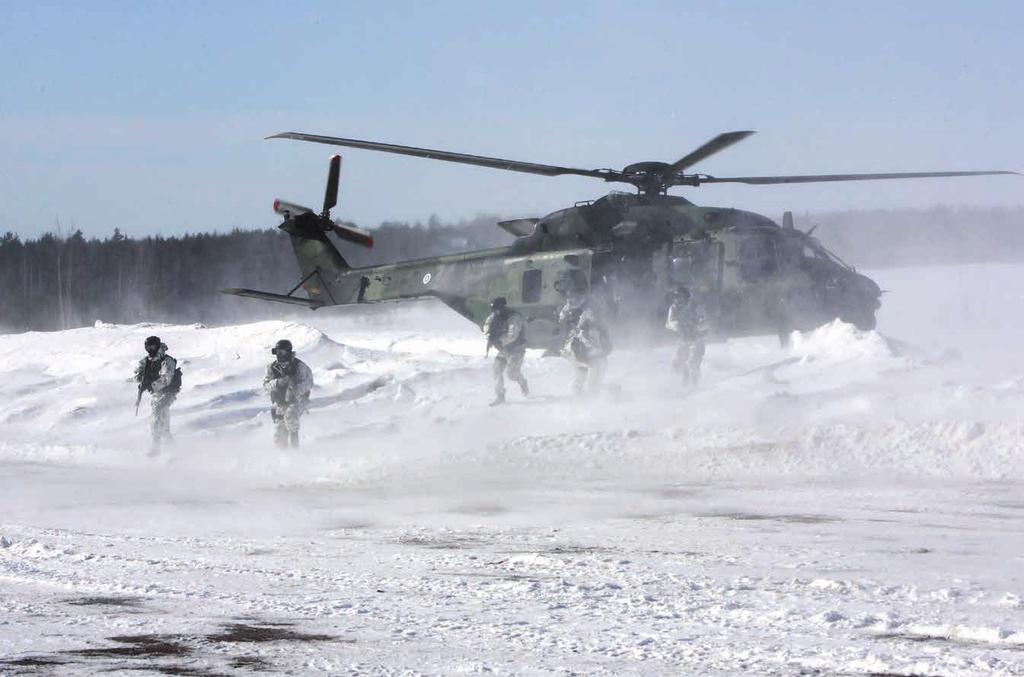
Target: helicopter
<point>628,251</point>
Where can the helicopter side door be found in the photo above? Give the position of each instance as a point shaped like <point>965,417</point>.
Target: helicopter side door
<point>698,265</point>
<point>753,281</point>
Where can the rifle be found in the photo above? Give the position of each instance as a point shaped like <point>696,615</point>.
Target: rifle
<point>281,372</point>
<point>144,384</point>
<point>499,325</point>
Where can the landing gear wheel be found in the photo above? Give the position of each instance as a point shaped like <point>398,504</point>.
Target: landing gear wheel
<point>784,331</point>
<point>785,321</point>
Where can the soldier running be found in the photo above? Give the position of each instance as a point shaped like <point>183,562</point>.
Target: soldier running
<point>504,328</point>
<point>686,317</point>
<point>158,375</point>
<point>586,342</point>
<point>288,382</point>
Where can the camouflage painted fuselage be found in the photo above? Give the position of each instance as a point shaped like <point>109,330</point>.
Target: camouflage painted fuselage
<point>754,276</point>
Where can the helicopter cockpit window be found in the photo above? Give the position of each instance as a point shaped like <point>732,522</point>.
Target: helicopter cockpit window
<point>531,286</point>
<point>757,257</point>
<point>814,250</point>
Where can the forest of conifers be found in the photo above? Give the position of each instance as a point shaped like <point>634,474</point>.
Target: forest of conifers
<point>62,281</point>
<point>65,281</point>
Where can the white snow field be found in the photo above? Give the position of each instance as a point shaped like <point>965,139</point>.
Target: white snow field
<point>857,509</point>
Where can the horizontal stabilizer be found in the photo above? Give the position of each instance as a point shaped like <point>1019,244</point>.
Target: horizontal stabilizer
<point>519,227</point>
<point>312,304</point>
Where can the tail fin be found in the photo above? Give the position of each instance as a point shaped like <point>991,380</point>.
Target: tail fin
<point>326,275</point>
<point>322,265</point>
<point>324,270</point>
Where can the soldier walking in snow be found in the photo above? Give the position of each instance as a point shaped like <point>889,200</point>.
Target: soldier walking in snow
<point>686,317</point>
<point>504,329</point>
<point>288,382</point>
<point>586,342</point>
<point>158,375</point>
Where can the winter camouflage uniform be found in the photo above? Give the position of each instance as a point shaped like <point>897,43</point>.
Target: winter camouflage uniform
<point>504,329</point>
<point>155,375</point>
<point>288,384</point>
<point>686,317</point>
<point>586,343</point>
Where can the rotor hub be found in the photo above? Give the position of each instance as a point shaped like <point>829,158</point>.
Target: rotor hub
<point>655,178</point>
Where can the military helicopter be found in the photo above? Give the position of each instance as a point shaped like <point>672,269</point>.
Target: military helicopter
<point>628,250</point>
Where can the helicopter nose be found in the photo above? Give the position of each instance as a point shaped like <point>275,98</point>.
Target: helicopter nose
<point>869,289</point>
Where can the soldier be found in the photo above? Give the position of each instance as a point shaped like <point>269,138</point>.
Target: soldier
<point>686,317</point>
<point>288,382</point>
<point>504,330</point>
<point>586,342</point>
<point>158,375</point>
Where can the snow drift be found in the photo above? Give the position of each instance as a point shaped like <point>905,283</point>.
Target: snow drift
<point>404,403</point>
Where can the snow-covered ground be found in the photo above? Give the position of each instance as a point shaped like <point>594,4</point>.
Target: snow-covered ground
<point>855,509</point>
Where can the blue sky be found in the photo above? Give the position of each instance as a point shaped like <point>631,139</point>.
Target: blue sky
<point>151,116</point>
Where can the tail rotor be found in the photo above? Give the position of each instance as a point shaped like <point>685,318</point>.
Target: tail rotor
<point>298,218</point>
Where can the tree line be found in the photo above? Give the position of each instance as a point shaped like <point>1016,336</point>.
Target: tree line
<point>60,281</point>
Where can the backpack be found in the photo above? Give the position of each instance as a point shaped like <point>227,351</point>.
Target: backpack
<point>175,385</point>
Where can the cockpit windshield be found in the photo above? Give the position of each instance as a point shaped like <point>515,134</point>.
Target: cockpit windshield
<point>814,249</point>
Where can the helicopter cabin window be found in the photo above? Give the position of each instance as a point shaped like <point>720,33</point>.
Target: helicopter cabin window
<point>531,286</point>
<point>571,279</point>
<point>758,257</point>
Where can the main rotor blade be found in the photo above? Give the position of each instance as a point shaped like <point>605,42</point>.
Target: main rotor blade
<point>720,142</point>
<point>448,156</point>
<point>820,178</point>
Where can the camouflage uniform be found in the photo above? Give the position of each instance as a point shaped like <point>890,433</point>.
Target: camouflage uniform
<point>686,318</point>
<point>288,384</point>
<point>155,376</point>
<point>586,343</point>
<point>505,332</point>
